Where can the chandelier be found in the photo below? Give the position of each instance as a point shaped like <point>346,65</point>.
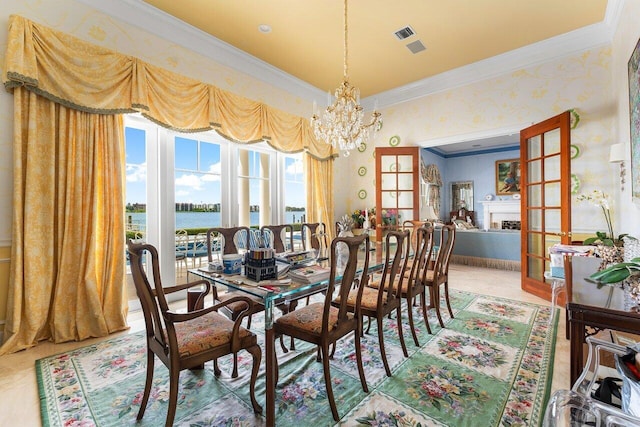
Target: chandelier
<point>342,123</point>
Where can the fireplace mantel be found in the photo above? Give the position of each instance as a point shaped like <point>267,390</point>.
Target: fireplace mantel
<point>496,211</point>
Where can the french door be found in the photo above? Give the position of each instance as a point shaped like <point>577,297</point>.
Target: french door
<point>546,198</point>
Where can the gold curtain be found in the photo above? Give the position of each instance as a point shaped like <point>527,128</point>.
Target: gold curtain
<point>64,285</point>
<point>319,176</point>
<point>90,78</point>
<point>67,271</point>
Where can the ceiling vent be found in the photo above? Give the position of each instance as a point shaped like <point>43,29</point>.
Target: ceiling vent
<point>416,46</point>
<point>404,33</point>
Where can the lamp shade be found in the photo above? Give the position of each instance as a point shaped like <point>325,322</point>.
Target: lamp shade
<point>616,153</point>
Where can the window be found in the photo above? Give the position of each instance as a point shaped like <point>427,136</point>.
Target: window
<point>186,181</point>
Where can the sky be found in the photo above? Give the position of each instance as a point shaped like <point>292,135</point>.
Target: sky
<point>200,183</point>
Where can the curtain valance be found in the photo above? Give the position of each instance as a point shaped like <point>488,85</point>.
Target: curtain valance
<point>90,78</point>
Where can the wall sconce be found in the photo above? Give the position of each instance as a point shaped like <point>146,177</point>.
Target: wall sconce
<point>616,155</point>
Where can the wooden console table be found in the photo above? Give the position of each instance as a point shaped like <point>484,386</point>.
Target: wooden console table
<point>583,316</point>
<point>591,309</point>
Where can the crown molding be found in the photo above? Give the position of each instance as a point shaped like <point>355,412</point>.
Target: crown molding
<point>161,24</point>
<point>538,53</point>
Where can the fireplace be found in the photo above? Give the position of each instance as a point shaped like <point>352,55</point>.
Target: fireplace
<point>495,212</point>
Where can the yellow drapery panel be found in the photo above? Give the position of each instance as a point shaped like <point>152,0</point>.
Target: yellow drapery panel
<point>67,271</point>
<point>90,78</point>
<point>319,176</point>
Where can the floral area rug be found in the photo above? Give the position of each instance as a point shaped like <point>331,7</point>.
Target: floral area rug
<point>490,366</point>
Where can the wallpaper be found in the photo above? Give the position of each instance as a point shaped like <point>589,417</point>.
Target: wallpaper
<point>582,81</point>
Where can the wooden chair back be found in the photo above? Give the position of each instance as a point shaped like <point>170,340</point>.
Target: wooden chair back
<point>397,251</point>
<point>279,236</point>
<point>314,236</point>
<point>353,276</point>
<point>152,301</point>
<point>230,240</point>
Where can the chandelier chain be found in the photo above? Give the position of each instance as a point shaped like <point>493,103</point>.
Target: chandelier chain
<point>342,123</point>
<point>346,44</point>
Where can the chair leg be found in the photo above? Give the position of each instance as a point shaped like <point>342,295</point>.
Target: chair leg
<point>234,372</point>
<point>383,352</point>
<point>400,333</point>
<point>446,297</point>
<point>327,380</point>
<point>174,376</point>
<point>147,384</point>
<point>425,314</point>
<point>216,369</point>
<point>411,325</point>
<point>434,295</point>
<point>363,380</point>
<point>368,325</point>
<point>256,352</point>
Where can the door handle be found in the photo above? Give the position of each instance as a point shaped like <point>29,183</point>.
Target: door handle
<point>562,233</point>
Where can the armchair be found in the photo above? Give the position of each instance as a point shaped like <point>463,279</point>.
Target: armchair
<point>186,340</point>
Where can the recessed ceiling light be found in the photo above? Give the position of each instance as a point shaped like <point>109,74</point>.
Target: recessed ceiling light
<point>264,28</point>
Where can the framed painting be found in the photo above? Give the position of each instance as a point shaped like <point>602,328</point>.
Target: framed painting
<point>507,176</point>
<point>634,119</point>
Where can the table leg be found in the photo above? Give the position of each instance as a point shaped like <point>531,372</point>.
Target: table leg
<point>270,362</point>
<point>270,376</point>
<point>576,359</point>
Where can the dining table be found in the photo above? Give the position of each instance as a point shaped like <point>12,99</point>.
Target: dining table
<point>272,293</point>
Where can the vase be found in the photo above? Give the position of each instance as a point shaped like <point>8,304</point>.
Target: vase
<point>610,255</point>
<point>631,287</point>
<point>631,249</point>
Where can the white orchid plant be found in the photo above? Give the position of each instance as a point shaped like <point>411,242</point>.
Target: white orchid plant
<point>608,238</point>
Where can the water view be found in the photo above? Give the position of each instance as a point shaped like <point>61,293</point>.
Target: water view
<point>185,220</point>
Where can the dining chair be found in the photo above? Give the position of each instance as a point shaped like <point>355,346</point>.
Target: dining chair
<point>438,274</point>
<point>412,283</point>
<point>279,237</point>
<point>413,225</point>
<point>314,236</point>
<point>232,240</point>
<point>384,297</point>
<point>226,240</point>
<point>186,340</point>
<point>322,323</point>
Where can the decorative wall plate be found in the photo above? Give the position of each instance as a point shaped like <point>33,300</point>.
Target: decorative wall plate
<point>575,151</point>
<point>362,194</point>
<point>362,147</point>
<point>516,196</point>
<point>575,183</point>
<point>362,171</point>
<point>574,118</point>
<point>488,197</point>
<point>394,140</point>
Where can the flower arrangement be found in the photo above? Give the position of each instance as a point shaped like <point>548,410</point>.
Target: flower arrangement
<point>360,216</point>
<point>390,216</point>
<point>606,238</point>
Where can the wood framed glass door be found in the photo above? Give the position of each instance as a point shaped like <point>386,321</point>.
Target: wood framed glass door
<point>397,187</point>
<point>546,198</point>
